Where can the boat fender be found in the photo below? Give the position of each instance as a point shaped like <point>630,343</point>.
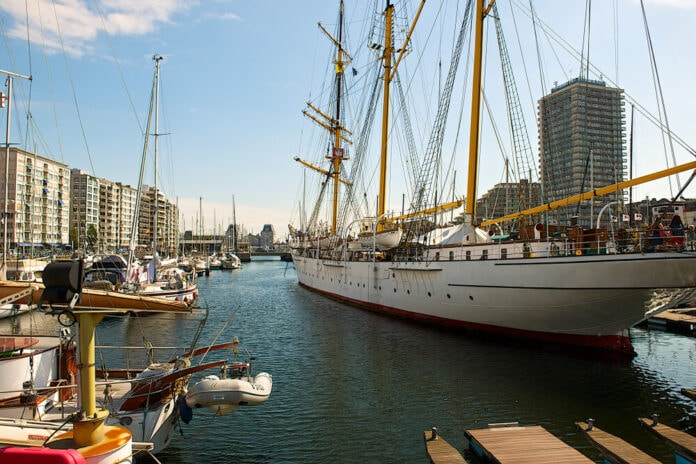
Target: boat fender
<point>185,411</point>
<point>40,455</point>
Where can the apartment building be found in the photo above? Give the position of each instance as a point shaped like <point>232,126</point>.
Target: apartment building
<point>38,201</point>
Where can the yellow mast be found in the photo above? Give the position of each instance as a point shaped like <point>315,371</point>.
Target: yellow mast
<point>480,16</point>
<point>338,152</point>
<point>389,74</point>
<point>387,57</point>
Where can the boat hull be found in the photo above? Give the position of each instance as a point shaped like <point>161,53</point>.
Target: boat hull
<point>98,299</point>
<point>580,300</point>
<point>156,425</point>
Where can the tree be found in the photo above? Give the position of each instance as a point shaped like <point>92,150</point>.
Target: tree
<point>92,236</point>
<point>74,238</point>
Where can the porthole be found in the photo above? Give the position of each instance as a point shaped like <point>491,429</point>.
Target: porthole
<point>429,294</point>
<point>449,296</point>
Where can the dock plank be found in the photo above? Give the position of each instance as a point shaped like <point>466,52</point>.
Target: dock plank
<point>683,443</point>
<point>440,451</point>
<point>613,448</point>
<point>523,445</point>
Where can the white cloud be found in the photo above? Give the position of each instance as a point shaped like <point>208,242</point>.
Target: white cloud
<point>681,4</point>
<point>231,17</point>
<point>73,24</point>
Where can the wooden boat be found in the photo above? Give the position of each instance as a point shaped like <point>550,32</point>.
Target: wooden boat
<point>225,395</point>
<point>92,299</point>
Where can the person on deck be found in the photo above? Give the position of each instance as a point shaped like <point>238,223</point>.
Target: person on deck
<point>691,237</point>
<point>676,227</point>
<point>656,234</point>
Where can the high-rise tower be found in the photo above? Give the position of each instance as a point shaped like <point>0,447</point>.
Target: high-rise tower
<point>581,145</point>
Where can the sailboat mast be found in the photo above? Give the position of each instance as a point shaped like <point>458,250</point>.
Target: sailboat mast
<point>157,59</point>
<point>7,100</point>
<point>388,50</point>
<point>337,155</point>
<point>3,270</point>
<point>234,227</point>
<point>474,143</point>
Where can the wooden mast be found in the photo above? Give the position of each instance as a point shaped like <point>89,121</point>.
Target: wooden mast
<point>387,57</point>
<point>389,73</point>
<point>474,143</point>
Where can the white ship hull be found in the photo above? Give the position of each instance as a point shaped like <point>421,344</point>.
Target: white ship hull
<point>585,300</point>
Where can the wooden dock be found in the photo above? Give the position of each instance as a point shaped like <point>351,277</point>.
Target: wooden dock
<point>683,443</point>
<point>614,449</point>
<point>681,321</point>
<point>512,444</point>
<point>439,451</point>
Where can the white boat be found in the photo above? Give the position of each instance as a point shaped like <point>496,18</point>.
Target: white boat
<point>385,239</point>
<point>230,261</point>
<point>22,270</point>
<point>26,270</point>
<point>170,283</point>
<point>225,395</point>
<point>201,266</point>
<point>214,263</point>
<point>554,288</point>
<point>39,377</point>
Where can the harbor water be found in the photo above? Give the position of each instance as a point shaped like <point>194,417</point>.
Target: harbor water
<point>353,386</point>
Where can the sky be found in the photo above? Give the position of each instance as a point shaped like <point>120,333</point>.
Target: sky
<point>234,79</point>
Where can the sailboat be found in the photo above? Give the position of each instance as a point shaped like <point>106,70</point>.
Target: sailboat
<point>157,280</point>
<point>230,259</point>
<point>542,286</point>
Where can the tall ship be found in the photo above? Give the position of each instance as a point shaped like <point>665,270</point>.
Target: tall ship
<point>525,274</point>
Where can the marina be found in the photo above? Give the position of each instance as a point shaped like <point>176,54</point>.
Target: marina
<point>377,382</point>
<point>404,314</point>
